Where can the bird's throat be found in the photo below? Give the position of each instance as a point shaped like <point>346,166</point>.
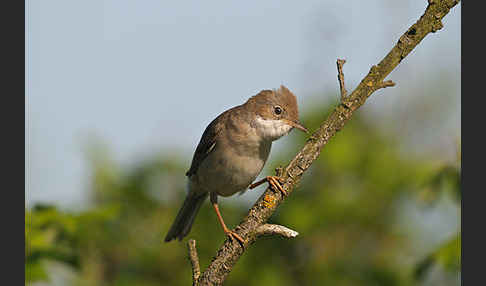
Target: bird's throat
<point>271,129</point>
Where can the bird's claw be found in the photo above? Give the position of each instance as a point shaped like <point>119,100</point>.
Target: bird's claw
<point>274,182</point>
<point>233,235</point>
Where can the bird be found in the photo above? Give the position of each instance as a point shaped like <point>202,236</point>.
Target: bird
<point>232,152</point>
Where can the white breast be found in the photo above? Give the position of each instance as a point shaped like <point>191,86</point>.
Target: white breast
<point>272,129</point>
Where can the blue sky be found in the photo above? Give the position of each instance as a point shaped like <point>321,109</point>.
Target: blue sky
<point>148,76</point>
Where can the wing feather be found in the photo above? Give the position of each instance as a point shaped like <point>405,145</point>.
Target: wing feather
<point>207,142</point>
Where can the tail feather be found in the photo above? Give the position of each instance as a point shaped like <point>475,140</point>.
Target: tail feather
<point>185,218</point>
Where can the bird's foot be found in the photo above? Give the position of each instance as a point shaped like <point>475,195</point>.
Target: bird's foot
<point>233,235</point>
<point>274,182</point>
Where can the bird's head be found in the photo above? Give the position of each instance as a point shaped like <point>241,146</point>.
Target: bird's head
<point>276,113</point>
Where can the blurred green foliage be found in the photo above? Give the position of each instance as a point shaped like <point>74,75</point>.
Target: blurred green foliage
<point>346,211</point>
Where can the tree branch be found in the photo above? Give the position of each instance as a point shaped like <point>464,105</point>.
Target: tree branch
<point>344,92</point>
<point>196,272</point>
<point>275,229</point>
<point>251,226</point>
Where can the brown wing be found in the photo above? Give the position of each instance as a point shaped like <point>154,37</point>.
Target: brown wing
<point>207,142</point>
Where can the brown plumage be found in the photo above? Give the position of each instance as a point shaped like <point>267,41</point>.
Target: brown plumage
<point>232,151</point>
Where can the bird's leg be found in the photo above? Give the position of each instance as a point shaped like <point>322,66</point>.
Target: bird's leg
<point>228,232</point>
<point>274,182</point>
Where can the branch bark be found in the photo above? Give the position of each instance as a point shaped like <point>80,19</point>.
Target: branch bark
<point>253,225</point>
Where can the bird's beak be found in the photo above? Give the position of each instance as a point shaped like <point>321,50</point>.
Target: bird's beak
<point>297,125</point>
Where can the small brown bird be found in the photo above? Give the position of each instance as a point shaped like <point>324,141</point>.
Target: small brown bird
<point>232,152</point>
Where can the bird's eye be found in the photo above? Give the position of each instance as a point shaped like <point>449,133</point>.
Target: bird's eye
<point>278,110</point>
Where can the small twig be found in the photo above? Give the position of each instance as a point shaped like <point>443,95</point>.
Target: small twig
<point>275,229</point>
<point>344,92</point>
<point>386,83</point>
<point>196,271</point>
